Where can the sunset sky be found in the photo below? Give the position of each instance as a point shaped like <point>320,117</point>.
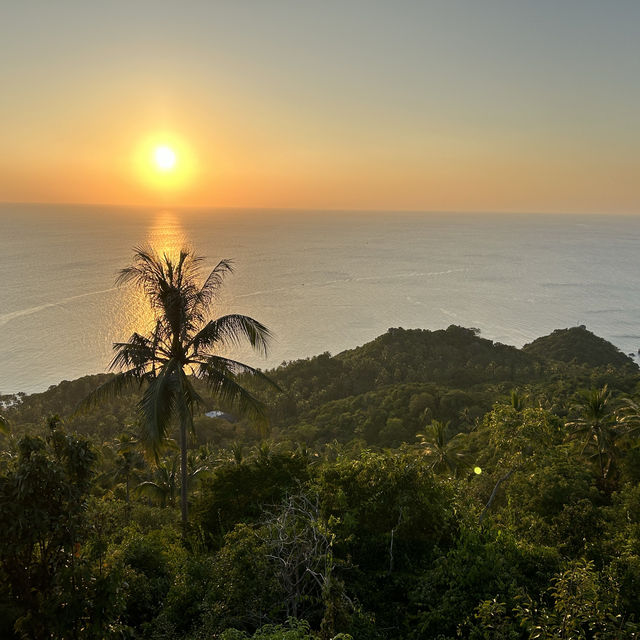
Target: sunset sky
<point>352,104</point>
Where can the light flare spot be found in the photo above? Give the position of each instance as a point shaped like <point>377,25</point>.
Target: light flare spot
<point>165,158</point>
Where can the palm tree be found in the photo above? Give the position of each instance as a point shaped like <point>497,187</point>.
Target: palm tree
<point>444,453</point>
<point>163,486</point>
<point>128,461</point>
<point>597,427</point>
<point>629,417</point>
<point>183,342</point>
<point>165,479</point>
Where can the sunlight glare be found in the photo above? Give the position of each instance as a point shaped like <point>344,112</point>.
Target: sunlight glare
<point>165,158</point>
<point>164,163</point>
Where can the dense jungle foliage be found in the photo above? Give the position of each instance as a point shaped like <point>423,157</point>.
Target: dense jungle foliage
<point>427,485</point>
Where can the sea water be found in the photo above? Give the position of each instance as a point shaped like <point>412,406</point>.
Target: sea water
<point>321,281</point>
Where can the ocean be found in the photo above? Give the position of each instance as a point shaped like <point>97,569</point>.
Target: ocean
<point>321,281</point>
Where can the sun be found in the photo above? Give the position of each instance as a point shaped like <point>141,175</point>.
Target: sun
<point>164,163</point>
<point>164,158</point>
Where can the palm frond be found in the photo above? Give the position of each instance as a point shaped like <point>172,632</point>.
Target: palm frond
<point>136,354</point>
<point>186,399</point>
<point>445,454</point>
<point>234,395</point>
<point>146,268</point>
<point>194,398</point>
<point>229,330</point>
<point>196,475</point>
<point>157,407</point>
<point>152,490</point>
<point>212,284</point>
<point>111,389</point>
<point>230,367</point>
<point>126,442</point>
<point>629,419</point>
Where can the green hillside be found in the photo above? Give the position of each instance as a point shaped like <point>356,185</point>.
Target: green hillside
<point>578,345</point>
<point>426,485</point>
<point>381,392</point>
<point>456,357</point>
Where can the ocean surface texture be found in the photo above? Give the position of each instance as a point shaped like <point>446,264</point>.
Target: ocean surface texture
<point>322,281</point>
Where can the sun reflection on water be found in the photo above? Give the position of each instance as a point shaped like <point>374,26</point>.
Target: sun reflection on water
<point>165,236</point>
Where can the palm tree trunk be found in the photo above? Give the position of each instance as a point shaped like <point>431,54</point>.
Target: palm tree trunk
<point>128,502</point>
<point>183,475</point>
<point>600,460</point>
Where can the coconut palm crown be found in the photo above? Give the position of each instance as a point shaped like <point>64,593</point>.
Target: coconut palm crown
<point>183,342</point>
<point>597,426</point>
<point>444,453</point>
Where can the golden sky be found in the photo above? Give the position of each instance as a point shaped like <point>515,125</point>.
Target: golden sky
<point>434,105</point>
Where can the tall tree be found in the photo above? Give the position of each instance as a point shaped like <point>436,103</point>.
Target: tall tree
<point>597,426</point>
<point>444,453</point>
<point>164,483</point>
<point>183,342</point>
<point>43,501</point>
<point>128,460</point>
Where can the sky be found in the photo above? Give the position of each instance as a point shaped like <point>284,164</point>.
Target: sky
<point>493,105</point>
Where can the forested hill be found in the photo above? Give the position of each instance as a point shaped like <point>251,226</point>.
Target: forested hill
<point>383,391</point>
<point>454,357</point>
<point>379,392</point>
<point>428,484</point>
<point>578,345</point>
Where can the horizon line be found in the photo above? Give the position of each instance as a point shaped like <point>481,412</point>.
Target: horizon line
<point>313,209</point>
